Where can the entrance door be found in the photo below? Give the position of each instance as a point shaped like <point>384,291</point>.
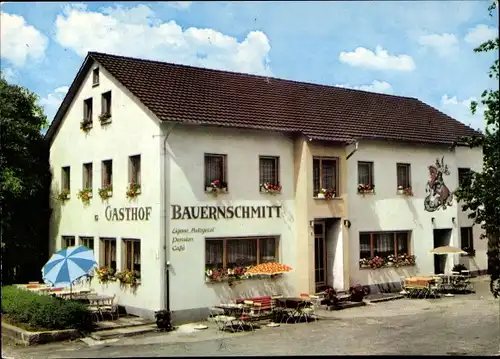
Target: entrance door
<point>319,255</point>
<point>441,238</point>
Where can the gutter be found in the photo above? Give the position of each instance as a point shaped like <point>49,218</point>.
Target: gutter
<point>164,219</point>
<point>356,146</point>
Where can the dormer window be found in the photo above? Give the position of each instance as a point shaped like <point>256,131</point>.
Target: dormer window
<point>95,77</point>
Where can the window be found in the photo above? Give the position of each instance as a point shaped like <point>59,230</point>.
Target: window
<point>87,110</point>
<point>365,173</point>
<point>68,241</point>
<point>403,171</point>
<point>65,178</point>
<point>95,77</point>
<point>268,170</point>
<point>107,173</point>
<point>134,169</point>
<point>87,242</point>
<point>230,253</point>
<point>132,254</point>
<point>106,103</point>
<point>215,168</point>
<point>87,175</point>
<point>467,240</point>
<point>383,244</point>
<point>108,252</point>
<point>325,174</point>
<point>463,176</point>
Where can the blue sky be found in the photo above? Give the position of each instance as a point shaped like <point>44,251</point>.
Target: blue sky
<point>421,49</point>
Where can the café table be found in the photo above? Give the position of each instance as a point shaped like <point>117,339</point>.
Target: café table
<point>292,306</point>
<point>419,285</point>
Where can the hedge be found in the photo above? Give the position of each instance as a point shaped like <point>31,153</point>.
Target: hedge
<point>43,311</point>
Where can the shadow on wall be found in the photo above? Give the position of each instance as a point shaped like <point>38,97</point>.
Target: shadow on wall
<point>385,278</point>
<point>55,217</point>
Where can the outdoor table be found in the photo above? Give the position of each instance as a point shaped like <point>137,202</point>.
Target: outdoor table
<point>231,309</point>
<point>292,306</point>
<point>419,285</point>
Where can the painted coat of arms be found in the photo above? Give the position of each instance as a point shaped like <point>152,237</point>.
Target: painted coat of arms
<point>438,194</point>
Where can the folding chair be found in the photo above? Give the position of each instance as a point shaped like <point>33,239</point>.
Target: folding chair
<point>110,307</point>
<point>434,288</point>
<point>402,283</point>
<point>468,286</point>
<point>308,311</point>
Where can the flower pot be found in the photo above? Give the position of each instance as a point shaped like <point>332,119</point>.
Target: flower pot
<point>110,193</point>
<point>321,195</point>
<point>89,195</point>
<point>208,189</point>
<point>390,264</point>
<point>138,191</point>
<point>400,191</point>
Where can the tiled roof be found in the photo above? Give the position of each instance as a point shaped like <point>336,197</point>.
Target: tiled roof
<point>203,96</point>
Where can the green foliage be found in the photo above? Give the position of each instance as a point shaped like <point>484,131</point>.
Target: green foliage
<point>43,311</point>
<point>24,184</point>
<point>480,193</point>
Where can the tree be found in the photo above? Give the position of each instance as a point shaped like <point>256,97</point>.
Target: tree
<point>24,184</point>
<point>481,192</point>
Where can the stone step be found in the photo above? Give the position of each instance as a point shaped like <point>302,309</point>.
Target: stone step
<point>123,332</point>
<point>345,305</point>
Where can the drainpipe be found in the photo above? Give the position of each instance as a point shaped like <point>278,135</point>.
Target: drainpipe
<point>165,218</point>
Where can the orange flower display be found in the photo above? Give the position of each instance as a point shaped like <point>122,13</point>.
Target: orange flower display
<point>269,268</point>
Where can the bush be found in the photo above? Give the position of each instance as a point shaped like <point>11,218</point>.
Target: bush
<point>43,311</point>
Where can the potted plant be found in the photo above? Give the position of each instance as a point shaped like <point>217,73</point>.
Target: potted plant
<point>326,193</point>
<point>358,292</point>
<point>366,188</point>
<point>86,125</point>
<point>400,190</point>
<point>105,274</point>
<point>163,320</point>
<point>403,260</point>
<point>215,275</point>
<point>85,195</point>
<point>133,190</point>
<point>364,263</point>
<point>458,268</point>
<point>63,195</point>
<point>106,191</point>
<point>408,192</point>
<point>216,187</point>
<point>128,277</point>
<point>330,298</point>
<point>270,188</point>
<point>104,118</point>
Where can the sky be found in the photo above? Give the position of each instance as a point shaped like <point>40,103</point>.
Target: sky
<point>421,49</point>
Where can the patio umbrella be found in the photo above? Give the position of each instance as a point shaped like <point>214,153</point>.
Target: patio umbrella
<point>269,268</point>
<point>67,265</point>
<point>447,250</point>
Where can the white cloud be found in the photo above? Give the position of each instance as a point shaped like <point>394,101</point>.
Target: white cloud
<point>9,75</point>
<point>52,101</point>
<point>136,32</point>
<point>19,40</point>
<point>460,110</point>
<point>444,44</point>
<point>480,34</point>
<point>180,5</point>
<point>375,86</point>
<point>378,60</point>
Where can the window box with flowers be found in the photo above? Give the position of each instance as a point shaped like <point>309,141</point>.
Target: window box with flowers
<point>366,188</point>
<point>128,277</point>
<point>273,189</point>
<point>63,195</point>
<point>401,260</point>
<point>106,192</point>
<point>133,190</point>
<point>85,195</point>
<point>105,274</point>
<point>216,187</point>
<point>405,191</point>
<point>326,193</point>
<point>86,125</point>
<point>229,275</point>
<point>105,118</point>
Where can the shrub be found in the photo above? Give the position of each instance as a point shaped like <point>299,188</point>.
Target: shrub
<point>43,311</point>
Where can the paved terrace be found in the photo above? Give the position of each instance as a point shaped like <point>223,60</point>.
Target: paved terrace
<point>462,325</point>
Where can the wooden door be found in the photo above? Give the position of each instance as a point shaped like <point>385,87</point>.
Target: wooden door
<point>319,254</point>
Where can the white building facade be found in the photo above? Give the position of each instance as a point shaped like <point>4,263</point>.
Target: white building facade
<point>159,214</point>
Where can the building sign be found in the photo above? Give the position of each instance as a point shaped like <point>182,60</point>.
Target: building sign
<point>438,194</point>
<point>128,213</point>
<point>183,236</point>
<point>224,212</point>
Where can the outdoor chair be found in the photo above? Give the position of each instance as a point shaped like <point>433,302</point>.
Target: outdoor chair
<point>247,315</point>
<point>467,284</point>
<point>402,282</point>
<point>110,307</point>
<point>434,287</point>
<point>221,320</point>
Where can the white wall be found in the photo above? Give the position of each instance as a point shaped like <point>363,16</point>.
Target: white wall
<point>132,131</point>
<point>187,146</point>
<point>387,211</point>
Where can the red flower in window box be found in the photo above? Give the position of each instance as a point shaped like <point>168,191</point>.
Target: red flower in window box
<point>217,186</point>
<point>365,188</point>
<point>328,193</point>
<point>270,188</point>
<point>133,190</point>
